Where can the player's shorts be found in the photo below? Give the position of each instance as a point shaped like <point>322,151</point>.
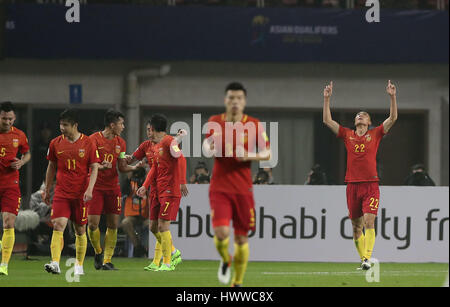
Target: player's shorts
<point>105,201</point>
<point>10,200</point>
<point>165,208</point>
<point>362,197</point>
<point>73,209</point>
<point>237,207</point>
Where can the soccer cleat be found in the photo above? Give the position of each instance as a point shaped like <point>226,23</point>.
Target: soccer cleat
<point>152,267</point>
<point>98,261</point>
<point>365,265</point>
<point>52,267</point>
<point>4,270</point>
<point>166,268</point>
<point>109,267</point>
<point>224,273</point>
<point>78,270</point>
<point>236,285</point>
<point>176,258</point>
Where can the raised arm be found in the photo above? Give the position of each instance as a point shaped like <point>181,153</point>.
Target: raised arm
<point>327,119</point>
<point>390,121</point>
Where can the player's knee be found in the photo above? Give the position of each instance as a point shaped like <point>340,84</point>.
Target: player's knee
<point>93,227</point>
<point>8,222</point>
<point>58,226</point>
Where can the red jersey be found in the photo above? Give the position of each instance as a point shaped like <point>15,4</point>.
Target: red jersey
<point>73,161</point>
<point>230,175</point>
<point>109,151</point>
<point>361,153</point>
<point>151,176</point>
<point>146,150</point>
<point>167,167</point>
<point>11,143</point>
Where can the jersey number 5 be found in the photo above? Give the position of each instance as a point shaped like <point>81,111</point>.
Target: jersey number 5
<point>3,152</point>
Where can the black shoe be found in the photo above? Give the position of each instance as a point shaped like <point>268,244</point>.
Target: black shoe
<point>108,267</point>
<point>98,261</point>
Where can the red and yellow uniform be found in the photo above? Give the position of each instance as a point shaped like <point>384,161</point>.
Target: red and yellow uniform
<point>363,192</point>
<point>231,187</point>
<point>169,171</point>
<point>11,143</point>
<point>107,197</point>
<point>73,161</point>
<point>146,150</point>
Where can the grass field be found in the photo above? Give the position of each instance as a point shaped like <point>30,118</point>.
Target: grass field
<point>203,274</point>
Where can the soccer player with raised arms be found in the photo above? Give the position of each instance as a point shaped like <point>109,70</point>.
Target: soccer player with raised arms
<point>107,197</point>
<point>235,140</point>
<point>12,142</point>
<point>363,193</point>
<point>72,155</point>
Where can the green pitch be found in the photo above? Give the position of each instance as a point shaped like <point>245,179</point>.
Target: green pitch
<point>203,274</point>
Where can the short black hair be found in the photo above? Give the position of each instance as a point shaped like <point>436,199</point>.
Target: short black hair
<point>70,116</point>
<point>159,122</point>
<point>112,116</point>
<point>236,86</point>
<point>7,106</point>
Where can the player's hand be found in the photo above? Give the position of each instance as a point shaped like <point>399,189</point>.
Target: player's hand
<point>328,91</point>
<point>182,133</point>
<point>87,195</point>
<point>106,165</point>
<point>391,89</point>
<point>16,164</point>
<point>46,197</point>
<point>184,190</point>
<point>140,164</point>
<point>241,154</point>
<point>128,158</point>
<point>141,192</point>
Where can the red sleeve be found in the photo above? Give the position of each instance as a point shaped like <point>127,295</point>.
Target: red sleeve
<point>263,139</point>
<point>170,145</point>
<point>150,177</point>
<point>123,146</point>
<point>380,131</point>
<point>182,168</point>
<point>51,152</point>
<point>210,130</point>
<point>342,132</point>
<point>139,154</point>
<point>24,147</point>
<point>93,153</point>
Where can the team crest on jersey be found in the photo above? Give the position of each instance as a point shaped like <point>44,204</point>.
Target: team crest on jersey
<point>368,138</point>
<point>118,149</point>
<point>81,153</point>
<point>15,143</point>
<point>161,152</point>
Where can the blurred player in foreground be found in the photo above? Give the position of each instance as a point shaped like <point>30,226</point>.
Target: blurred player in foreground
<point>233,139</point>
